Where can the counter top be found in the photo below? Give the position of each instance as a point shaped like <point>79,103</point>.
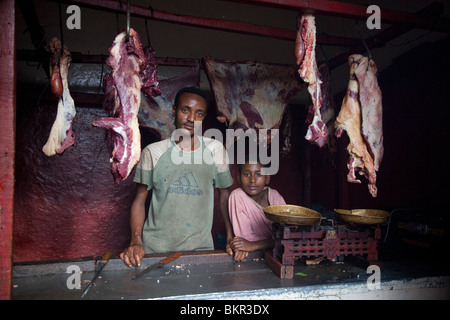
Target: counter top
<point>215,275</point>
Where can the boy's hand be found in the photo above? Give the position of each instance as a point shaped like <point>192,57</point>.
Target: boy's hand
<point>240,244</point>
<point>240,255</point>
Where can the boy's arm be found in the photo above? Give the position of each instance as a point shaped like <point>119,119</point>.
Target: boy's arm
<point>242,247</point>
<point>239,243</point>
<point>224,194</point>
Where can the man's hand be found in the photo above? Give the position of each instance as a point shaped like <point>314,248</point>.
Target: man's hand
<point>133,255</point>
<point>228,245</point>
<point>224,193</point>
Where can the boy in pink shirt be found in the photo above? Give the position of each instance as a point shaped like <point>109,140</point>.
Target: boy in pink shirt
<point>252,230</point>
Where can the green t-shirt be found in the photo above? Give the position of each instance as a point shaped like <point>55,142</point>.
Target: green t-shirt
<point>181,209</point>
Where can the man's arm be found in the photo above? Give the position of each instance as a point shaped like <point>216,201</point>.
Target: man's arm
<point>224,193</point>
<point>134,254</point>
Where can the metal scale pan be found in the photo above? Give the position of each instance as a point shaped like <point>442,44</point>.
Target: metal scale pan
<point>292,215</point>
<point>362,216</point>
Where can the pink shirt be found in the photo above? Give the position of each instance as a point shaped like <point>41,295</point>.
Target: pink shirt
<point>247,216</point>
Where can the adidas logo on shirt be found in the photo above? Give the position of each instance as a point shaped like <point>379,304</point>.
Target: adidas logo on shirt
<point>187,184</point>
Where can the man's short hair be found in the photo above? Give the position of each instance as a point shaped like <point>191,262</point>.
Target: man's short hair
<point>194,90</point>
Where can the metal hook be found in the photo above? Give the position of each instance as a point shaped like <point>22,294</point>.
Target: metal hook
<point>146,28</point>
<point>128,21</point>
<point>363,41</point>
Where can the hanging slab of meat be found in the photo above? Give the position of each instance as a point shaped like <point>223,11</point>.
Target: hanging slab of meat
<point>150,84</point>
<point>327,109</point>
<point>251,95</point>
<point>155,112</point>
<point>371,108</point>
<point>349,120</point>
<point>305,52</point>
<point>122,86</point>
<point>61,135</point>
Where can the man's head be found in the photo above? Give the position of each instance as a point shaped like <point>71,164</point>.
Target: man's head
<point>194,90</point>
<point>189,108</point>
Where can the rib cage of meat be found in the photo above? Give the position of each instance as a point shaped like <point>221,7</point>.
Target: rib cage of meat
<point>306,59</point>
<point>122,86</point>
<point>351,120</point>
<point>61,135</point>
<point>155,112</point>
<point>251,95</point>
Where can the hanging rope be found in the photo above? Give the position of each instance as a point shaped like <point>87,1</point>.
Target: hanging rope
<point>61,28</point>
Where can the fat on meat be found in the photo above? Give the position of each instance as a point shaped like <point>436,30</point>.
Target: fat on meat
<point>61,135</point>
<point>350,121</point>
<point>155,112</point>
<point>122,86</point>
<point>251,95</point>
<point>370,97</point>
<point>305,51</point>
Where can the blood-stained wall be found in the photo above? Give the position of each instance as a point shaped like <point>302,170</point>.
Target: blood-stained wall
<point>67,205</point>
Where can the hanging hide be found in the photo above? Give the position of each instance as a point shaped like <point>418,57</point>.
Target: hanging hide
<point>155,112</point>
<point>251,95</point>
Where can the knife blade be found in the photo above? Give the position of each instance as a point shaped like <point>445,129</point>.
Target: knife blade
<point>98,268</point>
<point>158,264</point>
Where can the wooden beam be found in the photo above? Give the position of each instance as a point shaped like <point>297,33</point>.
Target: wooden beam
<point>216,24</point>
<point>356,11</point>
<point>78,57</point>
<point>7,142</point>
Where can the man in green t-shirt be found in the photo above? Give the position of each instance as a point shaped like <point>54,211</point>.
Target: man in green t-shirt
<point>182,172</point>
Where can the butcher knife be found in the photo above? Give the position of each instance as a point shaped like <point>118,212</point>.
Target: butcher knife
<point>157,265</point>
<point>98,268</point>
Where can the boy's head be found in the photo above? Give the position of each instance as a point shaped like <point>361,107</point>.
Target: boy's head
<point>251,176</point>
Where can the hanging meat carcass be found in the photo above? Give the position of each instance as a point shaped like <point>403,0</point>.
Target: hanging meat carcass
<point>351,119</point>
<point>327,109</point>
<point>305,46</point>
<point>122,86</point>
<point>370,97</point>
<point>61,135</point>
<point>251,95</point>
<point>150,83</point>
<point>155,112</point>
